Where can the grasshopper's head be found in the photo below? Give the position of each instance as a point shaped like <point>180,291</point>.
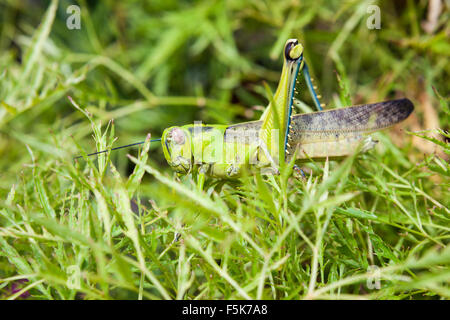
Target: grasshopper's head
<point>176,143</point>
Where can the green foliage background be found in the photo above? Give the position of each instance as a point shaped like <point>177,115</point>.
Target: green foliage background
<point>152,64</point>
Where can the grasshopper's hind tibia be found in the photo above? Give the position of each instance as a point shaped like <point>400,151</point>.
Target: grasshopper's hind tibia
<point>299,171</point>
<point>311,87</point>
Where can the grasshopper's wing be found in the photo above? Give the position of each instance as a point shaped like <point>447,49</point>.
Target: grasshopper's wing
<point>276,117</point>
<point>337,132</point>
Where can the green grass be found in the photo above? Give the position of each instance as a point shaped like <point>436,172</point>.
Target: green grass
<point>381,216</point>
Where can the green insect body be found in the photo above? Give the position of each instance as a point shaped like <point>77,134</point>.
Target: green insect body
<point>226,151</point>
<point>223,151</point>
<point>332,133</point>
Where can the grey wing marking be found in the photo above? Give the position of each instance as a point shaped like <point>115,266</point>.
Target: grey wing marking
<point>362,118</point>
<point>356,120</point>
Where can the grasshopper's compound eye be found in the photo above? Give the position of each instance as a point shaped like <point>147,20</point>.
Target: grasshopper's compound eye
<point>177,136</point>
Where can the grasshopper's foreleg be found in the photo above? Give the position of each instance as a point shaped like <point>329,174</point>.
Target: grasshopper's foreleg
<point>201,176</point>
<point>310,85</point>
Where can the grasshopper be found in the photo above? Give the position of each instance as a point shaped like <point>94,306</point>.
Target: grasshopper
<point>226,151</point>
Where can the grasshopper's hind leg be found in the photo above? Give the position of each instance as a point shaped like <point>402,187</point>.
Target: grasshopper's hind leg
<point>311,87</point>
<point>299,171</point>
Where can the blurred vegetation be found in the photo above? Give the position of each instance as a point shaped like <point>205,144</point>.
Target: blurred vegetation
<point>153,64</point>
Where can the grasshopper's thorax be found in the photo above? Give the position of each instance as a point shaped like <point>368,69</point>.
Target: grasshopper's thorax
<point>207,143</point>
<point>177,148</point>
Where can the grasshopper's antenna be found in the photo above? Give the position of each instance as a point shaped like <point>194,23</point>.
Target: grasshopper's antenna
<point>128,145</point>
